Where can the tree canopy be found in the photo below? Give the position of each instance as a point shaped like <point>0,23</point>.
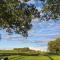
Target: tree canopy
<point>17,16</point>
<point>54,6</point>
<point>54,46</point>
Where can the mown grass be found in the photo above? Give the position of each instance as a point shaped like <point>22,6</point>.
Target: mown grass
<point>29,58</point>
<point>33,58</point>
<point>55,57</point>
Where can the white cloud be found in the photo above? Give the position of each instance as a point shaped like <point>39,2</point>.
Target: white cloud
<point>6,48</point>
<point>41,48</point>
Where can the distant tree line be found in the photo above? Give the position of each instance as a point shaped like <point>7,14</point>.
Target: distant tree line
<point>20,51</point>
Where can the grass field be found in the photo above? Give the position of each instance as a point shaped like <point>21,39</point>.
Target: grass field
<point>33,57</point>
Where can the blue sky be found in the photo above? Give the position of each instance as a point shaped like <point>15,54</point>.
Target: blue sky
<point>40,34</point>
<point>37,3</point>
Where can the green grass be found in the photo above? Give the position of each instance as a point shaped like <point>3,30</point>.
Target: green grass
<point>29,58</point>
<point>33,57</point>
<point>56,57</point>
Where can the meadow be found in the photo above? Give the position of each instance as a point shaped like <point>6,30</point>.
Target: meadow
<point>33,57</point>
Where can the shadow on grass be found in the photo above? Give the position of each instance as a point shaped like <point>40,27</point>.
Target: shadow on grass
<point>50,57</point>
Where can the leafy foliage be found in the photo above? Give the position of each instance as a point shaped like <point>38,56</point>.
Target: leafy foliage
<point>12,17</point>
<point>17,16</point>
<point>54,6</point>
<point>54,46</point>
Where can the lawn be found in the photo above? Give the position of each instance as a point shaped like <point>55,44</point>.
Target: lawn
<point>33,57</point>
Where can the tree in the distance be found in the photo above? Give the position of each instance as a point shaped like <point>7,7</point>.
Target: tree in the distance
<point>54,46</point>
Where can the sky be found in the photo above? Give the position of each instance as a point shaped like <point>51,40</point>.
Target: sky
<point>39,35</point>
